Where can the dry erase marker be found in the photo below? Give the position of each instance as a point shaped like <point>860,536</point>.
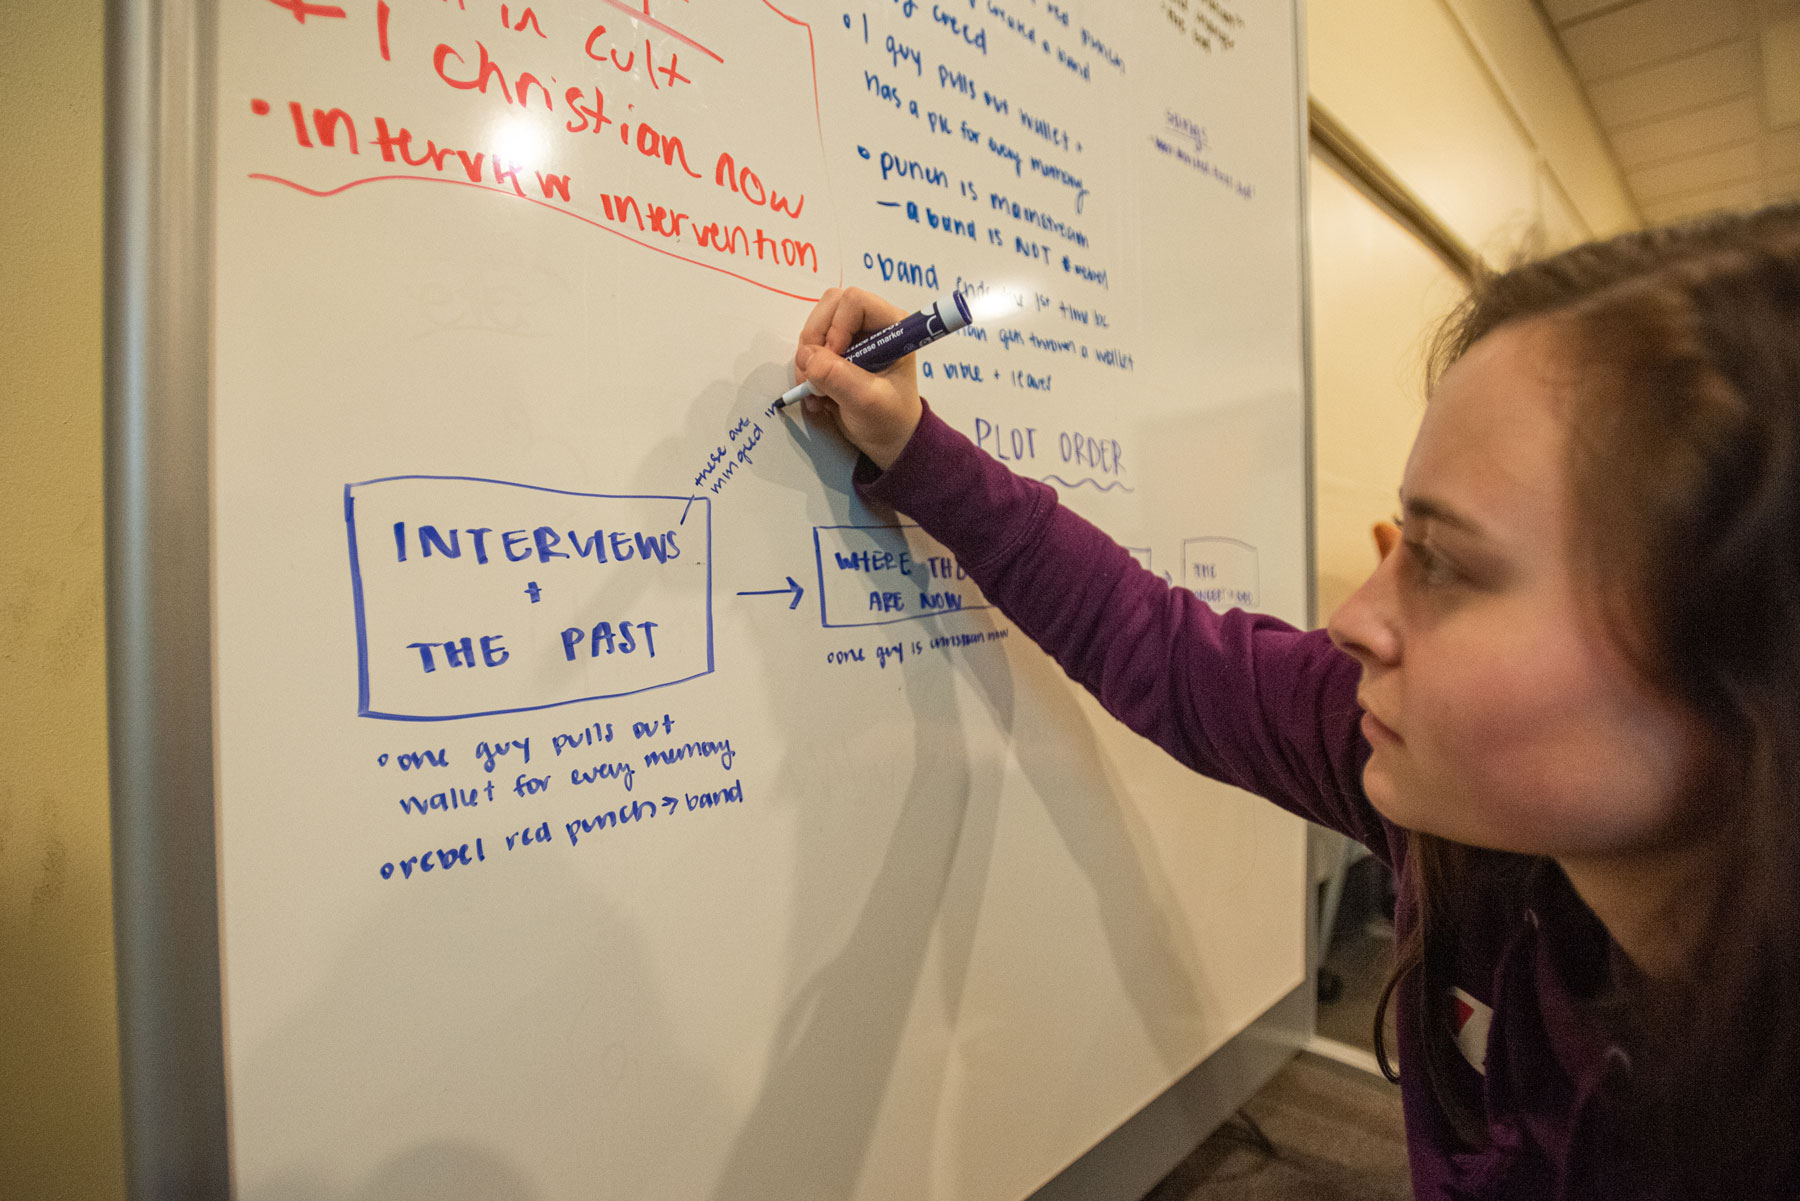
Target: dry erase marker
<point>883,349</point>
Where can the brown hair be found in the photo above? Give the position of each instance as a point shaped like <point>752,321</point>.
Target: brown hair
<point>1685,472</point>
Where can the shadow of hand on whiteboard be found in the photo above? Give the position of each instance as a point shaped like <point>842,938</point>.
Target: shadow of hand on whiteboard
<point>717,451</point>
<point>808,456</point>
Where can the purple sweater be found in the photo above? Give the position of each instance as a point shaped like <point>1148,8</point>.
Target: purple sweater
<point>1256,703</point>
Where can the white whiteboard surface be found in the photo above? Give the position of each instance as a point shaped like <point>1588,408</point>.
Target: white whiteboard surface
<point>819,880</point>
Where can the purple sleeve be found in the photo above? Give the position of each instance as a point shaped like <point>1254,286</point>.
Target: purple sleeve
<point>1245,699</point>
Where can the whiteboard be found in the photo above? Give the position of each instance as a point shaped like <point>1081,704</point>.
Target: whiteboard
<point>608,803</point>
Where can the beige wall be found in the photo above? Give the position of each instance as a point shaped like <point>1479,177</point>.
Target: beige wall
<point>59,1093</point>
<point>1584,185</point>
<point>1471,106</point>
<point>1377,293</point>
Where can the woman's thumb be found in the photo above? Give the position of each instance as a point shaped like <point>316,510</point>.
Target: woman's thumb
<point>830,375</point>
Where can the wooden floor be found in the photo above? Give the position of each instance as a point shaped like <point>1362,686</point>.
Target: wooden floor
<point>1334,1133</point>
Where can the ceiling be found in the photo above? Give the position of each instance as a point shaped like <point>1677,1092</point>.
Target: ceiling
<point>1700,99</point>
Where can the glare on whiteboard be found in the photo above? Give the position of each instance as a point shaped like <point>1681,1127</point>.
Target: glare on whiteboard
<point>520,142</point>
<point>1003,300</point>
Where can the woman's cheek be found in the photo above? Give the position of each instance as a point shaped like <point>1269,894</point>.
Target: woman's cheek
<point>1404,796</point>
<point>1468,771</point>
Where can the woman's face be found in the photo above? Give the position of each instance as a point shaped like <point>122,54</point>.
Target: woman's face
<point>1499,712</point>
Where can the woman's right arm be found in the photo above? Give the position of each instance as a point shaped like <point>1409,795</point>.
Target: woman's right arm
<point>1243,698</point>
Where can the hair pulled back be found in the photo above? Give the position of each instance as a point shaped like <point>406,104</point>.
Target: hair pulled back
<point>1684,467</point>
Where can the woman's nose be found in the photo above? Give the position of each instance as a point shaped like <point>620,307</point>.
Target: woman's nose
<point>1364,626</point>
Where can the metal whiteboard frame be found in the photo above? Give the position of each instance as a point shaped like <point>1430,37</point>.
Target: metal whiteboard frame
<point>158,315</point>
<point>160,70</point>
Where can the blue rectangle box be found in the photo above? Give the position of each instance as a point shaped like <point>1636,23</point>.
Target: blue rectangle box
<point>474,597</point>
<point>876,575</point>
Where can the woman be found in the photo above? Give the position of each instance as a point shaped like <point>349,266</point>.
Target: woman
<point>1566,709</point>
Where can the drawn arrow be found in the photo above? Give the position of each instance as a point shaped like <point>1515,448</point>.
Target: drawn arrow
<point>792,587</point>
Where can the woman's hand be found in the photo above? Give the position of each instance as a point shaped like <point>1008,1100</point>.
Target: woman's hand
<point>877,413</point>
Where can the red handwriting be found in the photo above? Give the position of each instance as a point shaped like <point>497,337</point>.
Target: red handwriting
<point>329,124</point>
<point>400,145</point>
<point>325,125</point>
<point>652,144</point>
<point>657,222</point>
<point>302,9</point>
<point>670,71</point>
<point>729,240</point>
<point>737,246</point>
<point>488,72</point>
<point>526,90</point>
<point>525,18</point>
<point>594,118</point>
<point>746,183</point>
<point>642,219</point>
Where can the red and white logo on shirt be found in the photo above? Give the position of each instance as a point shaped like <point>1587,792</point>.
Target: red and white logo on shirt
<point>1471,1020</point>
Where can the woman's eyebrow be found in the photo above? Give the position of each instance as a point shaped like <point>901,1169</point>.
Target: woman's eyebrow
<point>1427,509</point>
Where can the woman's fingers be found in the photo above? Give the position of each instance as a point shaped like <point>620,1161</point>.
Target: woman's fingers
<point>831,376</point>
<point>812,333</point>
<point>877,412</point>
<point>843,315</point>
<point>858,313</point>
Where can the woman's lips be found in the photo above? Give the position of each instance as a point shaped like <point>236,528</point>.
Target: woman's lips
<point>1377,731</point>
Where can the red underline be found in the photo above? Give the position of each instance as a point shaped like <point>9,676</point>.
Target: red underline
<point>651,21</point>
<point>482,187</point>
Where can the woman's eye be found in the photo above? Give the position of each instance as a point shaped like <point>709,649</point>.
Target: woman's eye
<point>1430,567</point>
